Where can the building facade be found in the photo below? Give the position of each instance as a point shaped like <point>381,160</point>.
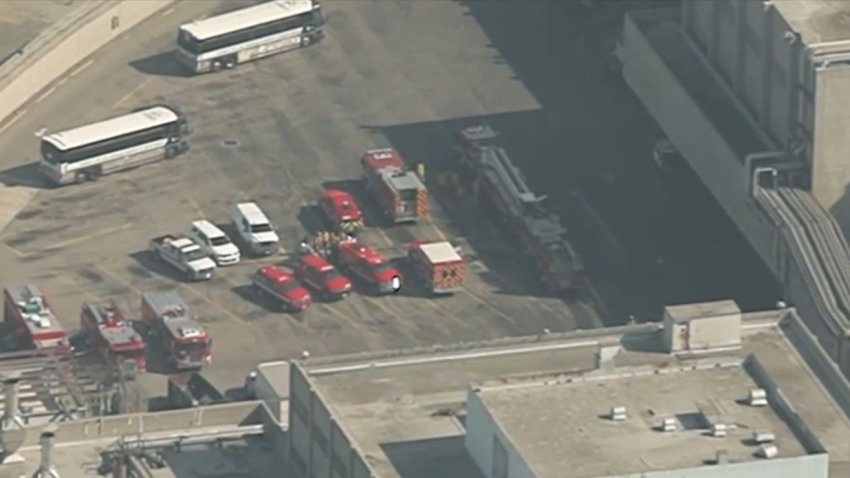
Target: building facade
<point>787,64</point>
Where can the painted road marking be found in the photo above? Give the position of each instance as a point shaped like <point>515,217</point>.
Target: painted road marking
<point>167,12</point>
<point>12,121</point>
<point>80,68</point>
<point>45,94</point>
<point>211,302</point>
<point>105,272</point>
<point>197,208</point>
<point>132,93</point>
<point>436,229</point>
<point>76,240</point>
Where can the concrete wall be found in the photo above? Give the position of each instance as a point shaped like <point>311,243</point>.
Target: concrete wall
<point>481,431</point>
<point>54,52</point>
<point>714,332</point>
<point>812,466</point>
<point>816,358</point>
<point>689,129</point>
<point>830,167</point>
<point>745,42</point>
<point>318,444</point>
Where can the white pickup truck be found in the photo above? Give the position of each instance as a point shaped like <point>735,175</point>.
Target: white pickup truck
<point>184,255</point>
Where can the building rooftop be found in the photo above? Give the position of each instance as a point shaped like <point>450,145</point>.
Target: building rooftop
<point>405,412</point>
<point>662,29</point>
<point>222,440</point>
<point>535,416</point>
<point>817,21</point>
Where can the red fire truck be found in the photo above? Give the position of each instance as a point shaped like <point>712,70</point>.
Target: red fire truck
<point>167,315</point>
<point>369,265</point>
<point>439,265</point>
<point>401,192</point>
<point>113,337</point>
<point>28,313</point>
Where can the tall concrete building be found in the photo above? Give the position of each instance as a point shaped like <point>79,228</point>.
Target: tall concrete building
<point>696,397</point>
<point>787,63</point>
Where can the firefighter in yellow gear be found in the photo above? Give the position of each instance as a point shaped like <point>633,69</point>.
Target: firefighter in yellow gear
<point>420,170</point>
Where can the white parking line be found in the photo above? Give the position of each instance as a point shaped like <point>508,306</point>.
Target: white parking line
<point>81,68</point>
<point>45,94</point>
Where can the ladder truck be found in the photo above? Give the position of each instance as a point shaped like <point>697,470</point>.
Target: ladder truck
<point>33,322</point>
<point>400,191</point>
<point>106,330</point>
<point>498,181</point>
<point>167,315</point>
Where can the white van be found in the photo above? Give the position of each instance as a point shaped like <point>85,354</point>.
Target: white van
<point>255,230</point>
<point>214,242</point>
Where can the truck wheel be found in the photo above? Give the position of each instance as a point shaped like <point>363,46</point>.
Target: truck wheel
<point>82,177</point>
<point>170,153</point>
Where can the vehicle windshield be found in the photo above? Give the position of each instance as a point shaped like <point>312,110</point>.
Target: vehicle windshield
<point>220,241</point>
<point>195,255</point>
<point>383,267</point>
<point>193,347</point>
<point>255,228</point>
<point>331,274</point>
<point>318,18</point>
<point>287,286</point>
<point>132,354</point>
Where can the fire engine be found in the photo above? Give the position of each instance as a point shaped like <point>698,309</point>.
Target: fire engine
<point>497,180</point>
<point>400,192</point>
<point>280,284</point>
<point>113,337</point>
<point>28,313</point>
<point>440,266</point>
<point>342,211</point>
<point>167,315</point>
<point>369,265</point>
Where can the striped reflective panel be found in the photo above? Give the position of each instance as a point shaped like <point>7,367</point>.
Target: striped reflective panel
<point>422,203</point>
<point>450,276</point>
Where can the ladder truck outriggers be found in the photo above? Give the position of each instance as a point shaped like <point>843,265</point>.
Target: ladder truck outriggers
<point>106,330</point>
<point>400,192</point>
<point>498,181</point>
<point>34,323</point>
<point>167,315</point>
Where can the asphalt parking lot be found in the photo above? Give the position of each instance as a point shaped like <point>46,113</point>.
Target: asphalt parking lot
<point>276,132</point>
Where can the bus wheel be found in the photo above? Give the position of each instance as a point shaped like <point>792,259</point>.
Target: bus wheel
<point>216,66</point>
<point>306,41</point>
<point>82,177</point>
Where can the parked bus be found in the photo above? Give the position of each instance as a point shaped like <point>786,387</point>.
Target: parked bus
<point>88,152</point>
<point>225,40</point>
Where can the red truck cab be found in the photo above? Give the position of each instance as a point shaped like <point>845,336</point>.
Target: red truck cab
<point>320,275</point>
<point>280,284</point>
<point>341,210</point>
<point>370,266</point>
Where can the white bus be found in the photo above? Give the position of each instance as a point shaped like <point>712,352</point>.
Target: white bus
<point>244,35</point>
<point>88,152</point>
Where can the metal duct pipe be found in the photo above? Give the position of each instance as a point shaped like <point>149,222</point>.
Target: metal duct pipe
<point>11,405</point>
<point>46,469</point>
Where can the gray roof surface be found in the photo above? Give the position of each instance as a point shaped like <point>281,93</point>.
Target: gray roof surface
<point>566,427</point>
<point>817,21</point>
<point>386,402</point>
<point>687,312</point>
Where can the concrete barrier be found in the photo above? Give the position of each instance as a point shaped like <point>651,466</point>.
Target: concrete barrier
<point>59,48</point>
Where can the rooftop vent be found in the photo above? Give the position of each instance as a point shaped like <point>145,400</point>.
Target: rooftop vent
<point>669,425</point>
<point>618,414</point>
<point>757,398</point>
<point>718,430</point>
<point>768,451</point>
<point>761,438</point>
